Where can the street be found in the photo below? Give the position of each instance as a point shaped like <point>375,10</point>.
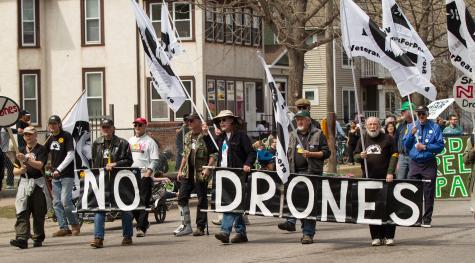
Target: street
<point>451,239</point>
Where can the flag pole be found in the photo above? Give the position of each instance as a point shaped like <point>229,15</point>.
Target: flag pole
<point>412,114</point>
<point>356,94</point>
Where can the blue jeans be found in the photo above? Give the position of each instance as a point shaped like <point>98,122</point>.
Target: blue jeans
<point>233,218</point>
<point>308,227</point>
<point>100,219</point>
<point>403,164</point>
<point>63,202</point>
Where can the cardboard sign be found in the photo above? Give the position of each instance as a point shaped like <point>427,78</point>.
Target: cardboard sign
<point>9,112</point>
<point>464,93</point>
<point>438,106</point>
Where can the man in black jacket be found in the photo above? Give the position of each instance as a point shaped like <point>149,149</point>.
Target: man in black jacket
<point>109,151</point>
<point>235,151</point>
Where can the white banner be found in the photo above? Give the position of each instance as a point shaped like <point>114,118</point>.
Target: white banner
<point>438,106</point>
<point>169,42</point>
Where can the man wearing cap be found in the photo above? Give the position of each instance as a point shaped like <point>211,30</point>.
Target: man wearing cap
<point>60,146</point>
<point>235,151</point>
<point>304,104</point>
<point>306,158</point>
<point>30,198</point>
<point>23,122</point>
<point>401,131</point>
<point>145,153</point>
<point>109,151</point>
<point>196,154</point>
<point>423,143</point>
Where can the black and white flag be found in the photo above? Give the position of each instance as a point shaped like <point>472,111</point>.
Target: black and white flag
<point>460,35</point>
<point>282,123</point>
<point>362,37</point>
<point>164,80</point>
<point>169,41</point>
<point>398,27</point>
<point>77,123</point>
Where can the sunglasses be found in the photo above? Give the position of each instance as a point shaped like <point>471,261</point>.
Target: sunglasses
<point>421,114</point>
<point>189,120</point>
<point>138,125</point>
<point>223,120</point>
<point>302,107</point>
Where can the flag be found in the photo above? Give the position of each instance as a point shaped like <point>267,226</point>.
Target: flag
<point>438,106</point>
<point>164,80</point>
<point>460,35</point>
<point>362,37</point>
<point>169,42</point>
<point>281,123</point>
<point>399,29</point>
<point>77,123</point>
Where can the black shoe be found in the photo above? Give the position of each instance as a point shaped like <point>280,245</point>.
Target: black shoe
<point>239,238</point>
<point>37,244</point>
<point>223,237</point>
<point>306,239</point>
<point>19,243</point>
<point>286,226</point>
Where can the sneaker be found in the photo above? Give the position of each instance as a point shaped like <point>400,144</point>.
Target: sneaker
<point>37,244</point>
<point>140,233</point>
<point>216,221</point>
<point>239,238</point>
<point>19,243</point>
<point>76,230</point>
<point>199,232</point>
<point>426,225</point>
<point>389,242</point>
<point>376,242</point>
<point>97,243</point>
<point>178,229</point>
<point>286,226</point>
<point>223,237</point>
<point>127,241</point>
<point>306,239</point>
<point>9,187</point>
<point>186,230</point>
<point>62,233</point>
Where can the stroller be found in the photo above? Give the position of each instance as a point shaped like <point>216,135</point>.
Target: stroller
<point>160,200</point>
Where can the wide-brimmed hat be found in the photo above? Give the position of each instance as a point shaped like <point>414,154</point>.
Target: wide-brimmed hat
<point>224,114</point>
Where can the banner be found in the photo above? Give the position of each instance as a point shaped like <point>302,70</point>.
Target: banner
<point>117,190</point>
<point>332,199</point>
<point>452,175</point>
<point>363,38</point>
<point>169,42</point>
<point>437,107</point>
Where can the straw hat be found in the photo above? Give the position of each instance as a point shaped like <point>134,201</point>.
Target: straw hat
<point>224,114</point>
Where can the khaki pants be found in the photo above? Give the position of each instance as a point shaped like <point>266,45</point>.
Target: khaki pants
<point>37,207</point>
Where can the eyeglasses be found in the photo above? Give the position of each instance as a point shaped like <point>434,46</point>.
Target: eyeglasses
<point>138,125</point>
<point>421,114</point>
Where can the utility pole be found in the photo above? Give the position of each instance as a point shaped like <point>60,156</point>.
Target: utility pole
<point>331,117</point>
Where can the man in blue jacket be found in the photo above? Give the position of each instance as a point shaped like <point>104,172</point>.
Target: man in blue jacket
<point>423,143</point>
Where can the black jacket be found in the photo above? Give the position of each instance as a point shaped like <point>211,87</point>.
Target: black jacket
<point>119,152</point>
<point>240,151</point>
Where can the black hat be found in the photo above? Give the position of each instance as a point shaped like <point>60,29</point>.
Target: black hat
<point>422,109</point>
<point>54,119</point>
<point>24,112</point>
<point>192,116</point>
<point>107,122</point>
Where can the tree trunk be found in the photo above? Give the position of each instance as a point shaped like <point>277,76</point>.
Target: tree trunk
<point>296,67</point>
<point>331,140</point>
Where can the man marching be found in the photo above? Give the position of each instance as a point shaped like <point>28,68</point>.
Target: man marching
<point>61,148</point>
<point>196,154</point>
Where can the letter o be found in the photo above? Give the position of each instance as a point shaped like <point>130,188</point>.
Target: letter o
<point>311,195</point>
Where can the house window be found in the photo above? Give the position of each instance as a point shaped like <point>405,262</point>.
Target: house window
<point>311,95</point>
<point>220,25</point>
<point>256,32</point>
<point>94,85</point>
<point>92,23</point>
<point>247,27</point>
<point>209,24</point>
<point>29,23</point>
<point>240,110</point>
<point>211,95</point>
<point>390,102</point>
<point>182,20</point>
<point>158,107</point>
<point>30,94</point>
<point>345,60</point>
<point>230,95</point>
<point>221,94</point>
<point>186,107</point>
<point>259,97</point>
<point>229,26</point>
<point>238,28</point>
<point>155,17</point>
<point>349,104</point>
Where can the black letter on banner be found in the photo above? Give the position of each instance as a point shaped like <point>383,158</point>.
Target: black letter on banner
<point>125,189</point>
<point>93,185</point>
<point>300,197</point>
<point>229,190</point>
<point>263,193</point>
<point>405,203</point>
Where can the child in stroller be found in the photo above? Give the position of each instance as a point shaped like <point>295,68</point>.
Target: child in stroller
<point>163,191</point>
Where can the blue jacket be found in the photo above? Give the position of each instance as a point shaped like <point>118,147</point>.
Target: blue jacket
<point>430,135</point>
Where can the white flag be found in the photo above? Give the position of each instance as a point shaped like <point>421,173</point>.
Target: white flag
<point>438,106</point>
<point>397,26</point>
<point>77,123</point>
<point>460,35</point>
<point>362,37</point>
<point>169,42</point>
<point>165,81</point>
<point>281,123</point>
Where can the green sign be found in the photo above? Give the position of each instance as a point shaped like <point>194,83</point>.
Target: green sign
<point>452,175</point>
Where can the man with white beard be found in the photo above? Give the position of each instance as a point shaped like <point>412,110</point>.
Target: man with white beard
<point>381,154</point>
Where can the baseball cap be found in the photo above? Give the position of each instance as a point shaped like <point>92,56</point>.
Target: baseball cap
<point>422,109</point>
<point>24,113</point>
<point>29,130</point>
<point>54,119</point>
<point>302,113</point>
<point>406,106</point>
<point>192,116</point>
<point>141,120</point>
<point>107,122</point>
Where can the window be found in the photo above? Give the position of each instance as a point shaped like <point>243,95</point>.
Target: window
<point>221,94</point>
<point>209,24</point>
<point>349,104</point>
<point>30,93</point>
<point>230,95</point>
<point>186,108</point>
<point>229,26</point>
<point>390,102</point>
<point>93,82</point>
<point>220,25</point>
<point>345,60</point>
<point>182,20</point>
<point>247,27</point>
<point>211,91</point>
<point>259,97</point>
<point>155,17</point>
<point>29,23</point>
<point>92,12</point>
<point>158,107</point>
<point>238,28</point>
<point>240,110</point>
<point>256,32</point>
<point>311,94</point>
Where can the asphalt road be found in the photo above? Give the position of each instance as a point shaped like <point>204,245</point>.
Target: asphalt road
<point>451,239</point>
